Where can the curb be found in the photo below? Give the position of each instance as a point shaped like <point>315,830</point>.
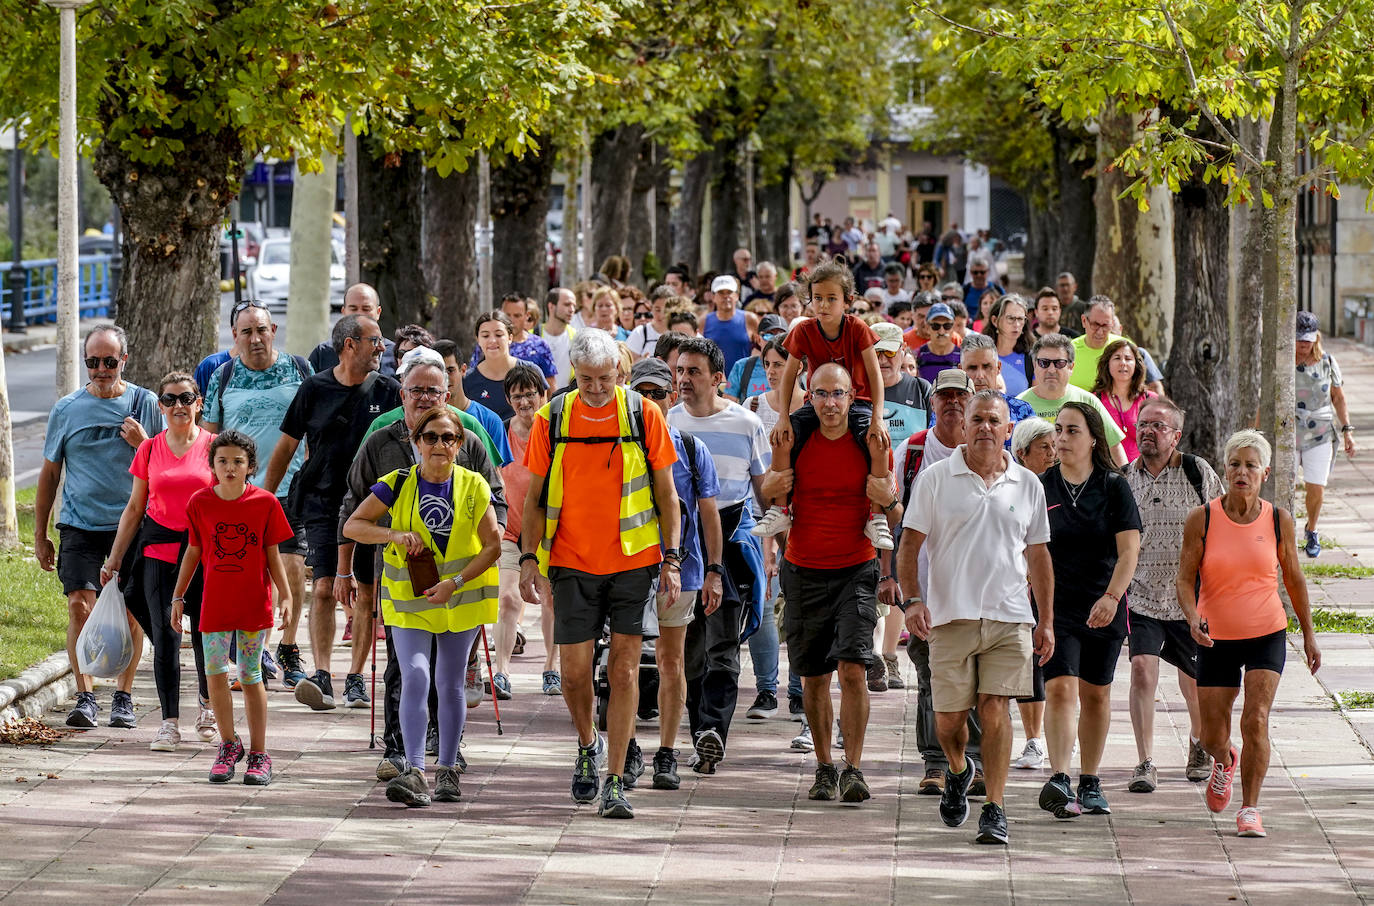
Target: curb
<point>49,682</point>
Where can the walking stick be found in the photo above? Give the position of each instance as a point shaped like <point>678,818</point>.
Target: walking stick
<point>376,621</point>
<point>491,676</point>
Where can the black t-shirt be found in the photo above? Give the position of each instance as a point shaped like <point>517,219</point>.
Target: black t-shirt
<point>866,277</point>
<point>489,393</point>
<point>323,357</point>
<point>332,419</point>
<point>1083,545</point>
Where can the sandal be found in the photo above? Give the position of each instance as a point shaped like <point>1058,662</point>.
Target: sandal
<point>519,647</point>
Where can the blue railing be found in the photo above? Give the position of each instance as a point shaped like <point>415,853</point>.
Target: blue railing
<point>40,290</point>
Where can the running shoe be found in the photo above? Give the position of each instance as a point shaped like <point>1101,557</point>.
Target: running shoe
<point>460,764</point>
<point>827,784</point>
<point>803,742</point>
<point>168,737</point>
<point>765,706</point>
<point>269,666</point>
<point>1057,799</point>
<point>992,825</point>
<point>289,656</point>
<point>613,801</point>
<point>432,740</point>
<point>230,754</point>
<point>877,531</point>
<point>472,688</point>
<point>1144,779</point>
<point>1199,762</point>
<point>259,769</point>
<point>954,800</point>
<point>206,727</point>
<point>634,765</point>
<point>776,520</point>
<point>553,683</point>
<point>665,770</point>
<point>501,683</point>
<point>978,787</point>
<point>1032,756</point>
<point>446,787</point>
<point>520,642</point>
<point>853,788</point>
<point>585,780</point>
<point>122,711</point>
<point>933,783</point>
<point>1091,799</point>
<point>796,709</point>
<point>355,692</point>
<point>348,630</point>
<point>710,751</point>
<point>82,716</point>
<point>894,672</point>
<point>1248,823</point>
<point>316,692</point>
<point>391,766</point>
<point>1219,786</point>
<point>877,675</point>
<point>1313,547</point>
<point>410,789</point>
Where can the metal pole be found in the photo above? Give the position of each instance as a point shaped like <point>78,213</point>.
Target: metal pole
<point>484,232</point>
<point>18,276</point>
<point>234,259</point>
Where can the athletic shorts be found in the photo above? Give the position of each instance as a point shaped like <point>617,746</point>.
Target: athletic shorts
<point>322,545</point>
<point>364,563</point>
<point>510,556</point>
<point>805,422</point>
<point>1090,658</point>
<point>830,616</point>
<point>583,602</point>
<point>1228,660</point>
<point>296,544</point>
<point>969,658</point>
<point>1167,639</point>
<point>81,553</point>
<point>1316,463</point>
<point>680,614</point>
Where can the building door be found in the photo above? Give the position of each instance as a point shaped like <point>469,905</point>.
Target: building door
<point>927,200</point>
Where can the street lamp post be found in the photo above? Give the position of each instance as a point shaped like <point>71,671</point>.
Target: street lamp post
<point>18,276</point>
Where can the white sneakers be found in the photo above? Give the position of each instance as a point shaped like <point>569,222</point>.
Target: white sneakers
<point>777,520</point>
<point>878,532</point>
<point>1032,756</point>
<point>168,737</point>
<point>205,724</point>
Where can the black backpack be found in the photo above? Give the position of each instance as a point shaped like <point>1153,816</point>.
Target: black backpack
<point>634,405</point>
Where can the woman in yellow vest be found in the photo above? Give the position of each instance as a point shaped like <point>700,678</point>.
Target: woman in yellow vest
<point>439,587</point>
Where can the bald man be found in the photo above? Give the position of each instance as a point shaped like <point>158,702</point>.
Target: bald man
<point>359,299</point>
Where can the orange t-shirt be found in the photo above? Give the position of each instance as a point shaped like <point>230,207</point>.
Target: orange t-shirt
<point>589,524</point>
<point>1239,595</point>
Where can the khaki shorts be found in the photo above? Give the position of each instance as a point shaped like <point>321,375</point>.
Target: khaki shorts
<point>510,556</point>
<point>969,658</point>
<point>680,614</point>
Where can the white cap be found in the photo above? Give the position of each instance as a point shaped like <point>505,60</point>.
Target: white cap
<point>725,282</point>
<point>889,336</point>
<point>420,355</point>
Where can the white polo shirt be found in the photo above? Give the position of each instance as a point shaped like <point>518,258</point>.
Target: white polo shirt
<point>977,536</point>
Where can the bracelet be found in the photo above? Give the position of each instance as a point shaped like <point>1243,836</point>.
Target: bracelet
<point>1347,428</point>
<point>903,605</point>
<point>886,578</point>
<point>672,564</point>
<point>888,508</point>
<point>343,575</point>
<point>180,598</point>
<point>1108,594</point>
<point>525,558</point>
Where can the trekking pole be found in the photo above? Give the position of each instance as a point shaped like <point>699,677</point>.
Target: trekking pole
<point>376,621</point>
<point>491,676</point>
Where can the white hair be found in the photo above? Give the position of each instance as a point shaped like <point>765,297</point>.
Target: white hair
<point>593,348</point>
<point>1027,432</point>
<point>1249,437</point>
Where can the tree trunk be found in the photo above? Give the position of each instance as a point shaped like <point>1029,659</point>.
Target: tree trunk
<point>696,181</point>
<point>1070,235</point>
<point>1036,266</point>
<point>729,218</point>
<point>312,210</point>
<point>519,206</point>
<point>663,210</point>
<point>776,204</point>
<point>614,158</point>
<point>169,295</point>
<point>390,186</point>
<point>639,236</point>
<point>450,251</point>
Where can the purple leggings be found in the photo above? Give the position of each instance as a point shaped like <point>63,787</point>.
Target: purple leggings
<point>450,670</point>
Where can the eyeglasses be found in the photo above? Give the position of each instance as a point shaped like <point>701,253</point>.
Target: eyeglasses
<point>1052,363</point>
<point>1154,426</point>
<point>425,393</point>
<point>375,341</point>
<point>941,326</point>
<point>654,393</point>
<point>521,397</point>
<point>186,398</point>
<point>826,395</point>
<point>432,438</point>
<point>96,361</point>
<point>1098,325</point>
<point>1014,319</point>
<point>925,276</point>
<point>644,316</point>
<point>240,307</point>
<point>889,353</point>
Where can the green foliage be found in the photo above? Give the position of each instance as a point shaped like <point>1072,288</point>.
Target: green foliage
<point>1355,699</point>
<point>1324,620</point>
<point>1336,571</point>
<point>33,610</point>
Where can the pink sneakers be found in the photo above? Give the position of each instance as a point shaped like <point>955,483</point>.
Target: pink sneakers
<point>1219,786</point>
<point>259,770</point>
<point>230,754</point>
<point>1248,823</point>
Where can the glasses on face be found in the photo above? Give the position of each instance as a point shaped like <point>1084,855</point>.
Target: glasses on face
<point>940,326</point>
<point>433,438</point>
<point>425,393</point>
<point>93,362</point>
<point>375,341</point>
<point>531,396</point>
<point>240,307</point>
<point>827,395</point>
<point>1154,426</point>
<point>644,316</point>
<point>1013,319</point>
<point>951,298</point>
<point>1095,325</point>
<point>978,273</point>
<point>889,353</point>
<point>925,277</point>
<point>1052,363</point>
<point>186,398</point>
<point>654,393</point>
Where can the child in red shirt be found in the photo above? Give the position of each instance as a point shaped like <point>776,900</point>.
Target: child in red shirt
<point>235,528</point>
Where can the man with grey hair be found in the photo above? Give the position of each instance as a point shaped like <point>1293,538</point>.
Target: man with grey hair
<point>1053,354</point>
<point>765,282</point>
<point>979,360</point>
<point>92,435</point>
<point>979,282</point>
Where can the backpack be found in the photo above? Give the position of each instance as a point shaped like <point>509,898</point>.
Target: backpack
<point>689,445</point>
<point>226,371</point>
<point>1194,473</point>
<point>749,366</point>
<point>915,455</point>
<point>634,406</point>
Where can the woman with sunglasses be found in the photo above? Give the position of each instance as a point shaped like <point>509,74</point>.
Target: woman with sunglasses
<point>439,588</point>
<point>651,321</point>
<point>168,469</point>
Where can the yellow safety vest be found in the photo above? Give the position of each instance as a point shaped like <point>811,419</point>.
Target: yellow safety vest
<point>474,604</point>
<point>638,518</point>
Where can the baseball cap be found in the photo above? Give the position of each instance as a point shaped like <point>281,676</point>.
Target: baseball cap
<point>952,379</point>
<point>420,355</point>
<point>939,310</point>
<point>889,336</point>
<point>1307,327</point>
<point>651,371</point>
<point>724,282</point>
<point>771,323</point>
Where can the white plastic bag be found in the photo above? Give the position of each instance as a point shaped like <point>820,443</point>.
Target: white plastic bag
<point>105,645</point>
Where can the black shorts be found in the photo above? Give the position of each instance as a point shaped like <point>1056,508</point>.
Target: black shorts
<point>364,563</point>
<point>1037,672</point>
<point>296,544</point>
<point>1167,639</point>
<point>829,616</point>
<point>322,545</point>
<point>805,422</point>
<point>1091,658</point>
<point>1228,659</point>
<point>582,602</point>
<point>81,553</point>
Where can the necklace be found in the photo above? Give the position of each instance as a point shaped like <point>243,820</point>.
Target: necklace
<point>1075,490</point>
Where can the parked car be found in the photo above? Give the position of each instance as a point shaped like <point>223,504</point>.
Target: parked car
<point>270,279</point>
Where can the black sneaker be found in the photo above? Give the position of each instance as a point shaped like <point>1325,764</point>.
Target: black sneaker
<point>665,770</point>
<point>954,800</point>
<point>122,711</point>
<point>992,825</point>
<point>460,764</point>
<point>586,781</point>
<point>446,786</point>
<point>765,706</point>
<point>853,789</point>
<point>355,693</point>
<point>289,657</point>
<point>409,789</point>
<point>613,801</point>
<point>795,708</point>
<point>1057,799</point>
<point>316,692</point>
<point>634,765</point>
<point>82,716</point>
<point>877,675</point>
<point>827,783</point>
<point>710,751</point>
<point>269,666</point>
<point>1090,797</point>
<point>392,765</point>
<point>432,741</point>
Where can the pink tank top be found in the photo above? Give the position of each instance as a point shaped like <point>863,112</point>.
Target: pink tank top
<point>1239,597</point>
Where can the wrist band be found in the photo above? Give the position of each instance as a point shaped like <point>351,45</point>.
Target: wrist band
<point>343,575</point>
<point>1108,594</point>
<point>525,558</point>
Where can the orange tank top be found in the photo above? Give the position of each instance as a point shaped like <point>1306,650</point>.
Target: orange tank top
<point>1239,594</point>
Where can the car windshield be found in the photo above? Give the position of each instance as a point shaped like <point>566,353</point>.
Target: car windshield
<point>275,253</point>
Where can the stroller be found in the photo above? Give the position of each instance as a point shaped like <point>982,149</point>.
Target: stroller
<point>648,670</point>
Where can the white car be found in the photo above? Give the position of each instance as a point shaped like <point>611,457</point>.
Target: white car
<point>270,279</point>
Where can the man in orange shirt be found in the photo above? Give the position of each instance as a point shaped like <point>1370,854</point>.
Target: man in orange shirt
<point>591,486</point>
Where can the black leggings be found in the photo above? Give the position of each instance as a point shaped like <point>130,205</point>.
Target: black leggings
<point>152,608</point>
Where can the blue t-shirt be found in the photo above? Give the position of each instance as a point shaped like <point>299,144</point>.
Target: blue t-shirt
<point>758,381</point>
<point>1014,373</point>
<point>694,567</point>
<point>255,402</point>
<point>731,336</point>
<point>435,504</point>
<point>492,424</point>
<point>83,436</point>
<point>207,367</point>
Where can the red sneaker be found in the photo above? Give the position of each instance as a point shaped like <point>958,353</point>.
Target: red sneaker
<point>230,754</point>
<point>348,630</point>
<point>1219,786</point>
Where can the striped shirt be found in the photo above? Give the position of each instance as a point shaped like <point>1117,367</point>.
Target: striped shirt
<point>738,445</point>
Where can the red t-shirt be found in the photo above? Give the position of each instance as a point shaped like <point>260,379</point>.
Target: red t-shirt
<point>172,480</point>
<point>915,341</point>
<point>233,537</point>
<point>847,350</point>
<point>830,505</point>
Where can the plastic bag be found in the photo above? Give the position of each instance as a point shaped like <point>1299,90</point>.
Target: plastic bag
<point>105,645</point>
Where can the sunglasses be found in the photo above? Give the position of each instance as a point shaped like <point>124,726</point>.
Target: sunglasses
<point>978,273</point>
<point>889,353</point>
<point>941,326</point>
<point>644,316</point>
<point>1052,363</point>
<point>186,398</point>
<point>432,438</point>
<point>96,361</point>
<point>240,307</point>
<point>654,393</point>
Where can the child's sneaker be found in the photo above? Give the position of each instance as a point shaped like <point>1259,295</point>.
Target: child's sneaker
<point>205,722</point>
<point>259,770</point>
<point>774,521</point>
<point>230,754</point>
<point>878,532</point>
<point>168,737</point>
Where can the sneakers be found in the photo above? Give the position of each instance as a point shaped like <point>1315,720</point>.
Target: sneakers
<point>553,683</point>
<point>410,789</point>
<point>206,728</point>
<point>992,825</point>
<point>391,767</point>
<point>586,780</point>
<point>933,783</point>
<point>765,706</point>
<point>1090,796</point>
<point>776,520</point>
<point>634,765</point>
<point>316,692</point>
<point>259,770</point>
<point>501,685</point>
<point>460,764</point>
<point>878,532</point>
<point>665,770</point>
<point>796,709</point>
<point>230,754</point>
<point>1219,787</point>
<point>1032,756</point>
<point>1144,779</point>
<point>853,788</point>
<point>877,675</point>
<point>289,657</point>
<point>269,666</point>
<point>355,693</point>
<point>613,801</point>
<point>894,672</point>
<point>446,786</point>
<point>122,711</point>
<point>977,787</point>
<point>1248,823</point>
<point>83,714</point>
<point>1313,547</point>
<point>348,630</point>
<point>827,783</point>
<point>168,737</point>
<point>432,740</point>
<point>954,800</point>
<point>1057,799</point>
<point>472,688</point>
<point>1199,762</point>
<point>710,751</point>
<point>802,742</point>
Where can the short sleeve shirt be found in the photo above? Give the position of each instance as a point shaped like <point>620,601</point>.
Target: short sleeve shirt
<point>233,537</point>
<point>255,402</point>
<point>758,379</point>
<point>172,482</point>
<point>433,500</point>
<point>807,340</point>
<point>830,505</point>
<point>1164,502</point>
<point>690,495</point>
<point>1312,392</point>
<point>1049,409</point>
<point>737,442</point>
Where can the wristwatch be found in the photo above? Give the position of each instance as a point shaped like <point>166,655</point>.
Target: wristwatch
<point>675,553</point>
<point>525,558</point>
<point>715,568</point>
<point>903,605</point>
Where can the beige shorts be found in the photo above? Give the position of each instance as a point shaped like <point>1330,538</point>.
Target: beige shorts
<point>680,614</point>
<point>510,556</point>
<point>969,658</point>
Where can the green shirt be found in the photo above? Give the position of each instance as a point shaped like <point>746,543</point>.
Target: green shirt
<point>386,419</point>
<point>1085,360</point>
<point>1049,409</point>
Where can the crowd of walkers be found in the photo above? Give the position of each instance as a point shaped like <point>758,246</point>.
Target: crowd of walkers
<point>856,461</point>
